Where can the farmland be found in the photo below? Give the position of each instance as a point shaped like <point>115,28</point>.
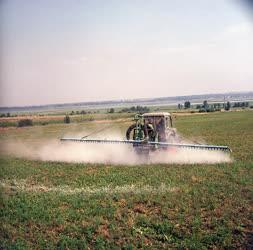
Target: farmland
<point>47,204</point>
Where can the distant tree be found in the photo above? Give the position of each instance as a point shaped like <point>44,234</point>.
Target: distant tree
<point>202,110</point>
<point>198,106</point>
<point>241,104</point>
<point>138,109</point>
<point>205,104</point>
<point>111,110</point>
<point>187,105</point>
<point>124,110</point>
<point>210,109</point>
<point>228,106</point>
<point>83,112</point>
<point>66,119</point>
<point>141,109</point>
<point>180,106</point>
<point>217,107</point>
<point>72,112</point>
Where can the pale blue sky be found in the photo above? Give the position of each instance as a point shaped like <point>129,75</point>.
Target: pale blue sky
<point>70,51</point>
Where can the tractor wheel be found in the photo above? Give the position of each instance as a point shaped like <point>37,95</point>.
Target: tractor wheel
<point>131,128</point>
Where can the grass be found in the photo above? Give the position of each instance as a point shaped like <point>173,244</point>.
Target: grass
<point>40,118</point>
<point>103,206</point>
<point>43,120</point>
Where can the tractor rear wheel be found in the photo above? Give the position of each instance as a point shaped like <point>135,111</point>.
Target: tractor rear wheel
<point>129,130</point>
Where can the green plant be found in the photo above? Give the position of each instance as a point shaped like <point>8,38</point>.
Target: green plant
<point>187,105</point>
<point>66,119</point>
<point>111,110</point>
<point>25,122</point>
<point>50,205</point>
<point>227,106</point>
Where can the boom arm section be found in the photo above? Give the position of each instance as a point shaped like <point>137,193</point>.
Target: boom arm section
<point>140,143</point>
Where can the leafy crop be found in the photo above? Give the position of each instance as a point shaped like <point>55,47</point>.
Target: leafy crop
<point>103,206</point>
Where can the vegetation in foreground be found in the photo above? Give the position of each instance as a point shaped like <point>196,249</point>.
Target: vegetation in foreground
<point>60,205</point>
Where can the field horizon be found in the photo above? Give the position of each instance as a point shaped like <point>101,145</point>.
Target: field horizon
<point>154,101</point>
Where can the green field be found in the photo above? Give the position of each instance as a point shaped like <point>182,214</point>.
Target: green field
<point>102,206</point>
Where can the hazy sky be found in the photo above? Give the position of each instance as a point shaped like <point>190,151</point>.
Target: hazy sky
<point>71,51</point>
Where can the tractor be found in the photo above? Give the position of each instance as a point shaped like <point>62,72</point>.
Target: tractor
<point>150,132</point>
<point>152,127</point>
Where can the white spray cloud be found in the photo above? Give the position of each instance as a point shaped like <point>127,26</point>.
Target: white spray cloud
<point>108,153</point>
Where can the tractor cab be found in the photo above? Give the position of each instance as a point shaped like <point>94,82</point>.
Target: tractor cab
<point>158,120</point>
<point>157,125</point>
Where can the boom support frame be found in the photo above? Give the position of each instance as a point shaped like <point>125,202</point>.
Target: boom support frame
<point>151,144</point>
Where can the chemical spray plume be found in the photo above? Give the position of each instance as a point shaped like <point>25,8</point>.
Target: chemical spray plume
<point>54,150</point>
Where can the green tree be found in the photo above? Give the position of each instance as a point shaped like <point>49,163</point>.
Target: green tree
<point>111,110</point>
<point>66,119</point>
<point>187,105</point>
<point>180,106</point>
<point>228,106</point>
<point>205,104</point>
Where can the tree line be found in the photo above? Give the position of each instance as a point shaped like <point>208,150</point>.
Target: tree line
<point>137,109</point>
<point>206,107</point>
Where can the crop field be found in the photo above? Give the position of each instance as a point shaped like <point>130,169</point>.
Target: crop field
<point>66,205</point>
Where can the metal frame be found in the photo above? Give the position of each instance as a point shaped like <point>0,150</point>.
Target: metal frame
<point>144,143</point>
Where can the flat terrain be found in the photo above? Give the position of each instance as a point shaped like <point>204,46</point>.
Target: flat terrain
<point>103,206</point>
<point>46,119</point>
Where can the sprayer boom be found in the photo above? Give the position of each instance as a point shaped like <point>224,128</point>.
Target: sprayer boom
<point>150,144</point>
